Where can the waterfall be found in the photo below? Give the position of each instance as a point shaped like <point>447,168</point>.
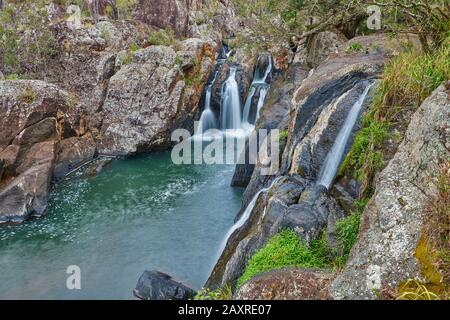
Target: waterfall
<point>334,157</point>
<point>246,214</point>
<point>262,98</point>
<point>248,104</point>
<point>207,119</point>
<point>261,83</point>
<point>230,109</point>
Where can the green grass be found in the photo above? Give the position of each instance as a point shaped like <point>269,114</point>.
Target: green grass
<point>355,47</point>
<point>407,81</point>
<point>163,37</point>
<point>223,293</point>
<point>286,249</point>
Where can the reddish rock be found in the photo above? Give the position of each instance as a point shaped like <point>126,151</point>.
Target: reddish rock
<point>287,284</point>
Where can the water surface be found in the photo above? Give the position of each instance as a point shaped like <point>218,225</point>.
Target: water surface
<point>139,214</point>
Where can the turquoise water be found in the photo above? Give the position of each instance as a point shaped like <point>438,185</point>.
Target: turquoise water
<point>139,214</point>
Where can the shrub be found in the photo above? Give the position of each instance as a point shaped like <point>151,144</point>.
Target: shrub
<point>26,41</point>
<point>28,96</point>
<point>163,37</point>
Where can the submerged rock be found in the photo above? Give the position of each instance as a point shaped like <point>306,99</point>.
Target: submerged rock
<point>155,285</point>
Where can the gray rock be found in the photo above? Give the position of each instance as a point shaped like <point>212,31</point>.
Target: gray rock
<point>149,98</point>
<point>155,285</point>
<point>384,255</point>
<point>35,118</point>
<point>26,196</point>
<point>292,203</point>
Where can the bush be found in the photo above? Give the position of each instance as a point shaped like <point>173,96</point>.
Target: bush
<point>163,37</point>
<point>26,41</point>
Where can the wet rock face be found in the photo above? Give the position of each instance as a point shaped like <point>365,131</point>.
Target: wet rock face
<point>384,255</point>
<point>35,117</point>
<point>243,78</point>
<point>273,115</point>
<point>310,153</point>
<point>286,284</point>
<point>72,153</point>
<point>155,285</point>
<point>293,203</point>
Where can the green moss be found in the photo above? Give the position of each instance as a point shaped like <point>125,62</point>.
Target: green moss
<point>283,135</point>
<point>127,58</point>
<point>134,47</point>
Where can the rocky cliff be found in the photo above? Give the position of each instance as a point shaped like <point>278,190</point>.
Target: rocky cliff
<point>107,86</point>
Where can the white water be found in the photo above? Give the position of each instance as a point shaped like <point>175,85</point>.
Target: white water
<point>334,157</point>
<point>246,215</point>
<point>257,82</point>
<point>262,98</point>
<point>208,119</point>
<point>230,109</point>
<point>248,104</point>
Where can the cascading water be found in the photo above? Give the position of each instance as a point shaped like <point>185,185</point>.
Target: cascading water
<point>246,215</point>
<point>334,157</point>
<point>259,82</point>
<point>208,119</point>
<point>230,109</point>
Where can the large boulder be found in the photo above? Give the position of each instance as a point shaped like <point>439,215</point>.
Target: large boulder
<point>155,285</point>
<point>35,117</point>
<point>385,254</point>
<point>150,97</point>
<point>318,47</point>
<point>85,59</point>
<point>72,153</point>
<point>286,284</point>
<point>171,14</point>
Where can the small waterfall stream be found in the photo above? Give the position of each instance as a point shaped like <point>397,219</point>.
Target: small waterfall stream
<point>261,84</point>
<point>334,157</point>
<point>246,214</point>
<point>208,119</point>
<point>230,109</point>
